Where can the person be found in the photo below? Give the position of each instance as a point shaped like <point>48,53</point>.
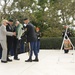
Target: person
<point>67,45</point>
<point>68,33</point>
<point>32,40</point>
<point>38,38</point>
<point>3,40</point>
<point>9,28</point>
<point>17,41</point>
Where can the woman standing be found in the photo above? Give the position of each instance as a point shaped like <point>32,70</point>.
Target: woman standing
<point>38,38</point>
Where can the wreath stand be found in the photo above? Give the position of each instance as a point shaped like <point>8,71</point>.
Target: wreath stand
<point>63,44</point>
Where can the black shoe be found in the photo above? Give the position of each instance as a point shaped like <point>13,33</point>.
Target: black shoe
<point>9,60</point>
<point>3,61</point>
<point>16,59</point>
<point>36,60</point>
<point>29,60</point>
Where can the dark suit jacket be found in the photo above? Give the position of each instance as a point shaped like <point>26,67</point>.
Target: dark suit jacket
<point>31,34</point>
<point>11,40</point>
<point>10,29</point>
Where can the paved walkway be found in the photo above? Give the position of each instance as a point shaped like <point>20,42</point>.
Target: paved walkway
<point>52,62</point>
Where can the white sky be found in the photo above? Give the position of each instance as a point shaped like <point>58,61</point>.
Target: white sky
<point>2,3</point>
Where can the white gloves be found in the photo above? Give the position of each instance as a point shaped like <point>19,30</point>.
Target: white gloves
<point>19,38</point>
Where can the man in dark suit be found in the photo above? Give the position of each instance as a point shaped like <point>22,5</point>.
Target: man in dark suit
<point>32,40</point>
<point>9,38</point>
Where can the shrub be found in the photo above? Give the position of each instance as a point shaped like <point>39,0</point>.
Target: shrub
<point>53,42</point>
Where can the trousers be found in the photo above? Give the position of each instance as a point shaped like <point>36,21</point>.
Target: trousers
<point>4,50</point>
<point>33,46</point>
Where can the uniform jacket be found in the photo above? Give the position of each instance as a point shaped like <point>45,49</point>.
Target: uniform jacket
<point>31,34</point>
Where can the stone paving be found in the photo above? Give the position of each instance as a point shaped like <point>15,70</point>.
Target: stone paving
<point>51,62</point>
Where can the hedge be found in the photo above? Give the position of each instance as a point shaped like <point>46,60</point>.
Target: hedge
<point>53,42</point>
